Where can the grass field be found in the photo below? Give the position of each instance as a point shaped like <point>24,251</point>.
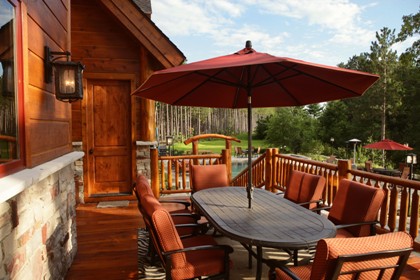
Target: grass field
<point>216,145</point>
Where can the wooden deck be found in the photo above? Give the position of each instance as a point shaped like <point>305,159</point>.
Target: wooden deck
<point>107,245</point>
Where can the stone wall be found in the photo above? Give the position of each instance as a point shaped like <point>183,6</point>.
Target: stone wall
<point>78,174</point>
<point>38,229</point>
<point>143,157</point>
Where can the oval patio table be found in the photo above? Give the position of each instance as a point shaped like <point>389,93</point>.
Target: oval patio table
<point>273,221</point>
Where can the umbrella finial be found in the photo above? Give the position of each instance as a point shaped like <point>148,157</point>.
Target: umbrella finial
<point>248,44</point>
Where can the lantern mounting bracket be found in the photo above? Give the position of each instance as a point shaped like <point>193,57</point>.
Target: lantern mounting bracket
<point>49,61</point>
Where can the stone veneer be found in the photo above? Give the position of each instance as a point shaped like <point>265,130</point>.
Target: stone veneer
<point>37,224</point>
<point>143,157</point>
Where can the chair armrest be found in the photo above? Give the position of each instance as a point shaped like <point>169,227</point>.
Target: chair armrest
<point>194,216</point>
<point>312,201</point>
<point>286,270</point>
<point>319,209</point>
<point>371,223</point>
<point>185,203</point>
<point>196,229</point>
<point>226,248</point>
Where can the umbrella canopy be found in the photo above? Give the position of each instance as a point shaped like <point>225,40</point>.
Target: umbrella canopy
<point>249,79</point>
<point>387,144</point>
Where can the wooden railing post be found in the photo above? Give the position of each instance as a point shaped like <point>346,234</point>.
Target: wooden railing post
<point>344,167</point>
<point>269,170</point>
<point>154,166</point>
<point>227,159</point>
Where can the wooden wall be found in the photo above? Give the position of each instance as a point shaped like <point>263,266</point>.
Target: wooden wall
<point>47,121</point>
<point>105,46</point>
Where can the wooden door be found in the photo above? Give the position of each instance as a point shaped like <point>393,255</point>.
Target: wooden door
<point>108,140</point>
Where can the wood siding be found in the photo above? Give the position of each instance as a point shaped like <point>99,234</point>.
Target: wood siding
<point>103,45</point>
<point>47,121</point>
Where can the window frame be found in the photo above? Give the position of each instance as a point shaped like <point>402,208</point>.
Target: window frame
<point>19,163</point>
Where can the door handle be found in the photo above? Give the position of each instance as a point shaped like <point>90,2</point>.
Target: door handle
<point>91,151</point>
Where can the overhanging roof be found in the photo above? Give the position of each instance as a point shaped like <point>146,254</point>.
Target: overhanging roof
<point>147,33</point>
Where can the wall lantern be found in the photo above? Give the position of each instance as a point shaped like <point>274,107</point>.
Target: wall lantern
<point>68,75</point>
<point>8,78</point>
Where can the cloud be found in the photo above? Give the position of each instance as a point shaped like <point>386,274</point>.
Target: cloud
<point>341,18</point>
<point>310,29</point>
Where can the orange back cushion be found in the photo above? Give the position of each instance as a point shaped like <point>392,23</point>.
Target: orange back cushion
<point>168,236</point>
<point>143,186</point>
<point>304,187</point>
<point>209,176</point>
<point>328,250</point>
<point>356,202</point>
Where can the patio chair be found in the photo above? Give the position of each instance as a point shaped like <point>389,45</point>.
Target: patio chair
<point>189,257</point>
<point>368,166</point>
<point>142,187</point>
<point>373,257</point>
<point>208,176</point>
<point>355,209</point>
<point>305,189</point>
<point>239,152</point>
<point>405,173</point>
<point>180,216</point>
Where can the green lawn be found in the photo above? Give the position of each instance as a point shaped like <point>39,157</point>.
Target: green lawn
<point>216,145</point>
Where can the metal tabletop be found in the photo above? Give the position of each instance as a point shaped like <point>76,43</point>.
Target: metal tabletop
<point>272,221</point>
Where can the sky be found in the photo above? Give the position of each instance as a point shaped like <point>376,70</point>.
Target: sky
<point>321,31</point>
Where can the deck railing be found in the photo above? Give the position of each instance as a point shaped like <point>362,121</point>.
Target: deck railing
<point>399,211</point>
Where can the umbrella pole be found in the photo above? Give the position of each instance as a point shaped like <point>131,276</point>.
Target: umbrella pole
<point>249,187</point>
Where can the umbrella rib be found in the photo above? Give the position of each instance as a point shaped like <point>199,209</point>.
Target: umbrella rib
<point>278,82</point>
<point>299,72</point>
<point>316,78</point>
<point>212,78</point>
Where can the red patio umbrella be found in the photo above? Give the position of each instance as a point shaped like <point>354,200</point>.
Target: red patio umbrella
<point>249,79</point>
<point>387,144</point>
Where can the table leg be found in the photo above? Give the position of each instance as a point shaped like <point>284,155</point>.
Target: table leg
<point>250,257</point>
<point>259,263</point>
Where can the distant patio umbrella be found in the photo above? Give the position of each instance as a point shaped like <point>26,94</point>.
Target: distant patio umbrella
<point>249,79</point>
<point>387,144</point>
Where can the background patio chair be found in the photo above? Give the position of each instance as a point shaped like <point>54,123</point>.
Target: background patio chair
<point>305,189</point>
<point>355,209</point>
<point>208,176</point>
<point>142,188</point>
<point>373,257</point>
<point>239,152</point>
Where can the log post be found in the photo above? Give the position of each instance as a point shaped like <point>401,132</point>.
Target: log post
<point>145,112</point>
<point>268,170</point>
<point>344,166</point>
<point>226,159</point>
<point>154,165</point>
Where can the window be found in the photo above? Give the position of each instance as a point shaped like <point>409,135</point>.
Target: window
<point>11,105</point>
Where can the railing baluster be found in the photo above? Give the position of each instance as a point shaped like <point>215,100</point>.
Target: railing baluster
<point>402,225</point>
<point>393,208</point>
